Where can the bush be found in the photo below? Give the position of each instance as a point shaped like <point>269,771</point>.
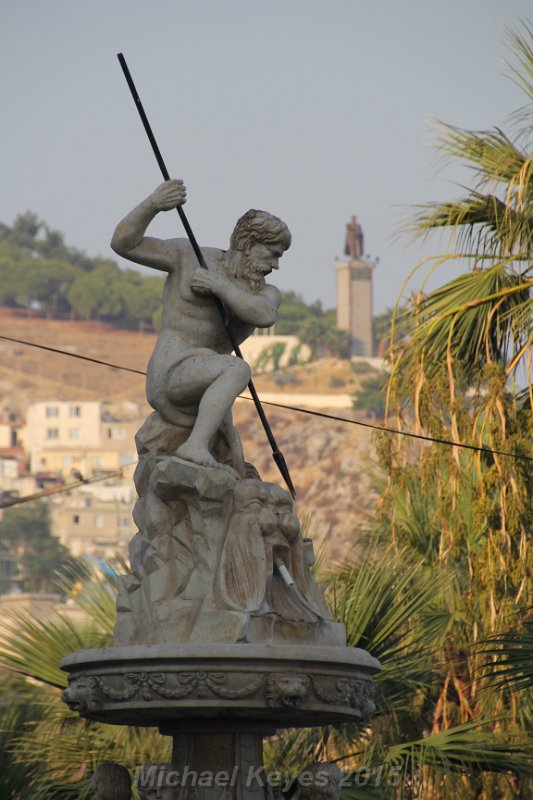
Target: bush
<point>361,367</point>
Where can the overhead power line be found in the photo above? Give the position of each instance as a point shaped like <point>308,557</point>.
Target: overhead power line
<point>72,355</point>
<point>396,431</point>
<point>16,501</point>
<point>322,414</point>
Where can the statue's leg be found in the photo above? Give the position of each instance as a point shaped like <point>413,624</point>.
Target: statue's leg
<point>214,380</point>
<point>233,440</point>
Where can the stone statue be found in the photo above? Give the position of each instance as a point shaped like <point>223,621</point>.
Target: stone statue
<point>205,562</point>
<point>83,695</point>
<point>111,782</point>
<point>320,781</point>
<point>218,556</point>
<point>353,243</point>
<point>192,378</point>
<point>157,782</point>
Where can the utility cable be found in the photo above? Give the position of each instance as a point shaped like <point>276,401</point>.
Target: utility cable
<point>383,428</point>
<point>15,501</point>
<point>322,414</point>
<point>72,355</point>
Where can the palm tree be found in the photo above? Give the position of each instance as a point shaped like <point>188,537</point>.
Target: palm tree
<point>485,316</point>
<point>461,370</point>
<point>49,753</point>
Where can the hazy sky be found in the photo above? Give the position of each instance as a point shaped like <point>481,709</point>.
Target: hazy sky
<point>310,109</point>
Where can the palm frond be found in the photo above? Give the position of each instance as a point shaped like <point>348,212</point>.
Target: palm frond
<point>464,748</point>
<point>481,223</point>
<point>478,317</point>
<point>520,45</point>
<point>19,708</point>
<point>492,154</point>
<point>35,648</point>
<point>510,659</point>
<point>382,602</point>
<point>96,594</point>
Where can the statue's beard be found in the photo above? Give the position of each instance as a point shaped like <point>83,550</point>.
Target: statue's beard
<point>248,270</point>
<point>251,272</point>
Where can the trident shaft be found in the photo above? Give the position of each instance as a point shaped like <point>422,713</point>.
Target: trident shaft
<point>277,455</point>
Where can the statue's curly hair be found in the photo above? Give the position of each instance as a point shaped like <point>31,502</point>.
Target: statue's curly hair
<point>112,782</point>
<point>259,227</point>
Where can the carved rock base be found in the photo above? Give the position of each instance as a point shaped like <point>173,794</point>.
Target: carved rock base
<point>274,685</point>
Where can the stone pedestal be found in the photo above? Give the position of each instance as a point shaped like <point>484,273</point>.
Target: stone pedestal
<point>218,702</point>
<point>223,763</point>
<point>222,635</point>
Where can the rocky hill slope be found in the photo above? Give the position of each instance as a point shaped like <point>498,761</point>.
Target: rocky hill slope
<point>331,463</point>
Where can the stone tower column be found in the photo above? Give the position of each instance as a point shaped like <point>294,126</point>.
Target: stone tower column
<point>354,292</point>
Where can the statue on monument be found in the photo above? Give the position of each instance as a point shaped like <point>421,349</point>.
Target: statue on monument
<point>354,243</point>
<point>192,377</point>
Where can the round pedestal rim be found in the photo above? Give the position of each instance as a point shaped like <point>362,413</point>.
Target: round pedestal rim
<point>233,653</point>
<point>280,686</point>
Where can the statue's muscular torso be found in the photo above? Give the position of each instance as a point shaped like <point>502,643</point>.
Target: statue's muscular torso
<point>193,318</point>
<point>192,324</point>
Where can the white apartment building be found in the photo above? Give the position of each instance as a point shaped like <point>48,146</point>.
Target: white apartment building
<point>62,436</point>
<point>94,522</point>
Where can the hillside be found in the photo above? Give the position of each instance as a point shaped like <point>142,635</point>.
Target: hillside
<point>330,462</point>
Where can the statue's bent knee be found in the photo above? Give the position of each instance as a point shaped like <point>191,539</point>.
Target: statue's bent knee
<point>241,369</point>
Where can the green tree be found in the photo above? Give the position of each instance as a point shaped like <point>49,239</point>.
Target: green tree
<point>25,532</point>
<point>98,294</point>
<point>143,296</point>
<point>337,342</point>
<point>371,396</point>
<point>25,230</point>
<point>294,312</point>
<point>9,280</point>
<point>270,357</point>
<point>312,332</point>
<point>381,326</point>
<point>46,282</point>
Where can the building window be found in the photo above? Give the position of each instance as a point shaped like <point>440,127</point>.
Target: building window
<point>67,462</point>
<point>123,522</point>
<point>75,411</point>
<point>116,434</point>
<point>99,522</point>
<point>73,433</point>
<point>96,462</point>
<point>76,519</point>
<point>52,411</point>
<point>52,433</point>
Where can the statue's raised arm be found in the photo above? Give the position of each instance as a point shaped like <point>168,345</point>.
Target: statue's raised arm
<point>129,240</point>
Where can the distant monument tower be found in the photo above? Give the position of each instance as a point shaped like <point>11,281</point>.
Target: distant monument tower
<point>354,292</point>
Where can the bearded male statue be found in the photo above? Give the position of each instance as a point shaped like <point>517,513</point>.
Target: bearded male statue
<point>192,378</point>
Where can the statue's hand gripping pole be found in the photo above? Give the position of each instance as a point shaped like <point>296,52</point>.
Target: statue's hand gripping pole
<point>276,452</point>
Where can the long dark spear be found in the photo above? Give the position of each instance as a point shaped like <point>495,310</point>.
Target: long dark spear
<point>276,452</point>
